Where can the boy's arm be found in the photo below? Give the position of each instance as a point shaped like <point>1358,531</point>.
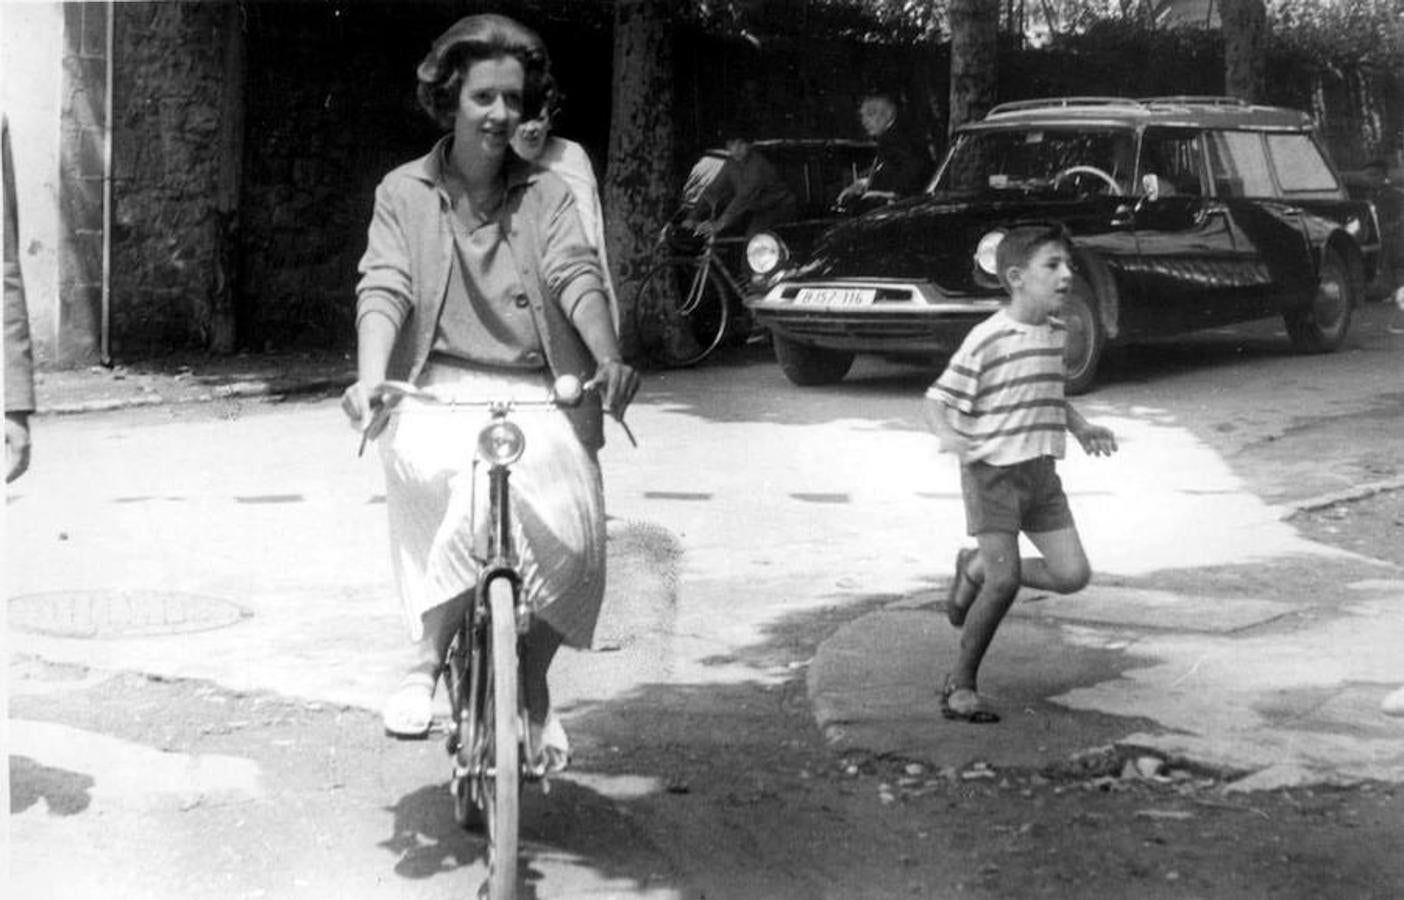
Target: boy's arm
<point>1096,440</point>
<point>938,419</point>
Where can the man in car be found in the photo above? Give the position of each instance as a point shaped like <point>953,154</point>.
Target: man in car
<point>903,163</point>
<point>747,196</point>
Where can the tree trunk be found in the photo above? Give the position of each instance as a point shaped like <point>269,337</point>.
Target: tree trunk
<point>974,59</point>
<point>224,289</point>
<point>638,189</point>
<point>1245,36</point>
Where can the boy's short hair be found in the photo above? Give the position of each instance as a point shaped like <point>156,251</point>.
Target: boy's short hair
<point>1021,242</point>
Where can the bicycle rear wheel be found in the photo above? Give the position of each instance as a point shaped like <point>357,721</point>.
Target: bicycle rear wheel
<point>502,782</point>
<point>694,293</point>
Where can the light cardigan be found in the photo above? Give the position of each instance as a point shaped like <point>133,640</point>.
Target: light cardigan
<point>408,261</point>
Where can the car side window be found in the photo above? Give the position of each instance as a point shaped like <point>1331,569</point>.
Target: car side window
<point>1239,164</point>
<point>1301,169</point>
<point>1176,157</point>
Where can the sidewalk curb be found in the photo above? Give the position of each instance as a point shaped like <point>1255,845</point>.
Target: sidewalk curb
<point>265,390</point>
<point>1322,501</point>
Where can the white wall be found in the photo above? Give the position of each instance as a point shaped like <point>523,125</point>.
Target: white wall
<point>31,79</point>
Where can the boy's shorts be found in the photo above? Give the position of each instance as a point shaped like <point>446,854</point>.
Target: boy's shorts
<point>1026,496</point>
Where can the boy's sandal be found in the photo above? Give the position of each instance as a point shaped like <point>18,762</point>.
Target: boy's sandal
<point>963,590</point>
<point>409,711</point>
<point>964,705</point>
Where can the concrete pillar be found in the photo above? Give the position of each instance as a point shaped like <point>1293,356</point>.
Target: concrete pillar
<point>82,166</point>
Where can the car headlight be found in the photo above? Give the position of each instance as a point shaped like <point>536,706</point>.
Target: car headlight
<point>501,443</point>
<point>985,253</point>
<point>764,253</point>
<point>1354,227</point>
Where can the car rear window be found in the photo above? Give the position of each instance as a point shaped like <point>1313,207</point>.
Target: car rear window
<point>1239,164</point>
<point>1300,166</point>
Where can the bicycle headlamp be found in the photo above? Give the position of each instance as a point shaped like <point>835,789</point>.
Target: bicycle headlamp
<point>764,253</point>
<point>501,443</point>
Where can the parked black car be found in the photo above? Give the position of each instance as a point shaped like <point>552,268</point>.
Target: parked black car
<point>1186,213</point>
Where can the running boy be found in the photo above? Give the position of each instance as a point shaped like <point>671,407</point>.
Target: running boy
<point>999,406</point>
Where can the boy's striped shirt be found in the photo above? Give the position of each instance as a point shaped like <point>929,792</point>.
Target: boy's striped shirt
<point>1006,385</point>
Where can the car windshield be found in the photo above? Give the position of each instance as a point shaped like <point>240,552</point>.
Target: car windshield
<point>1035,158</point>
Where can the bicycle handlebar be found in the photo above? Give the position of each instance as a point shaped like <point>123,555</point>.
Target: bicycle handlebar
<point>566,392</point>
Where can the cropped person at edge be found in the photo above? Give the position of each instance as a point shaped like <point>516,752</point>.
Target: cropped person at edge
<point>479,281</point>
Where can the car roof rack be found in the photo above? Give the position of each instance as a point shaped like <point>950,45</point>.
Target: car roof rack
<point>1051,102</point>
<point>1196,100</point>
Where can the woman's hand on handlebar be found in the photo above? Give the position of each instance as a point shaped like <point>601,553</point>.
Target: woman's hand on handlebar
<point>368,410</point>
<point>356,403</point>
<point>617,382</point>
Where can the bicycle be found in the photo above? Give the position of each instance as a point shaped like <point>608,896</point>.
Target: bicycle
<point>693,281</point>
<point>488,738</point>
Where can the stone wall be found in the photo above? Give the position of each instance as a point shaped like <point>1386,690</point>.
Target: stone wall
<point>169,175</point>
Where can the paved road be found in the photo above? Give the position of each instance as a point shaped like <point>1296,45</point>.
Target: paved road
<point>778,503</point>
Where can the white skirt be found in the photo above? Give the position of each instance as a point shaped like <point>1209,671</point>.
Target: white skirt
<point>436,510</point>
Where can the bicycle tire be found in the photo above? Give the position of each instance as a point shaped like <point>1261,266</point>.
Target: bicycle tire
<point>702,310</point>
<point>502,787</point>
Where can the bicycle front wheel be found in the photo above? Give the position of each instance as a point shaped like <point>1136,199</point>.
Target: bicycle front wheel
<point>686,292</point>
<point>502,794</point>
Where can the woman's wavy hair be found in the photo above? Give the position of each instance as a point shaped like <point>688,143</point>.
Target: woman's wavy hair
<point>473,39</point>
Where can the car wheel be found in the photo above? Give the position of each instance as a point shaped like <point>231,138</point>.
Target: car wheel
<point>1321,326</point>
<point>807,366</point>
<point>1085,338</point>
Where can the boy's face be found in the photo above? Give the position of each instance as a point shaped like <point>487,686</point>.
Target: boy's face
<point>1040,286</point>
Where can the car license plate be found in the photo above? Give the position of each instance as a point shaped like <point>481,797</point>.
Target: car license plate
<point>835,296</point>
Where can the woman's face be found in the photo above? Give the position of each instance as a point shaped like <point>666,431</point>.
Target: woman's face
<point>489,106</point>
<point>531,135</point>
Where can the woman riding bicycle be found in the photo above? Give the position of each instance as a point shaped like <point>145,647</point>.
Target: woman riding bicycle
<point>479,281</point>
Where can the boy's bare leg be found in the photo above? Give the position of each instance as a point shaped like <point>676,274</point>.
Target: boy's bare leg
<point>999,573</point>
<point>1063,567</point>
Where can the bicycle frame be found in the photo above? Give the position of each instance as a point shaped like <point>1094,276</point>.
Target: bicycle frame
<point>711,258</point>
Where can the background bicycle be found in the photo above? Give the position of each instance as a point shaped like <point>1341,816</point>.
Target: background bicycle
<point>694,295</point>
<point>682,276</point>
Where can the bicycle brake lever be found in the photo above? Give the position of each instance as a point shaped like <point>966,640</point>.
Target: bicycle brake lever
<point>627,432</point>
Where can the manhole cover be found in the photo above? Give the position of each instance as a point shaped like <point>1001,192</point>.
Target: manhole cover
<point>120,614</point>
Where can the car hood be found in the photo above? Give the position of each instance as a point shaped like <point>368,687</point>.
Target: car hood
<point>930,238</point>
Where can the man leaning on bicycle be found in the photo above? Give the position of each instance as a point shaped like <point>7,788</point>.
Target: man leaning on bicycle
<point>747,195</point>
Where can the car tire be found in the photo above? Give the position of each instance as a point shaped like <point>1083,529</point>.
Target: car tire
<point>1321,326</point>
<point>1086,338</point>
<point>808,366</point>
